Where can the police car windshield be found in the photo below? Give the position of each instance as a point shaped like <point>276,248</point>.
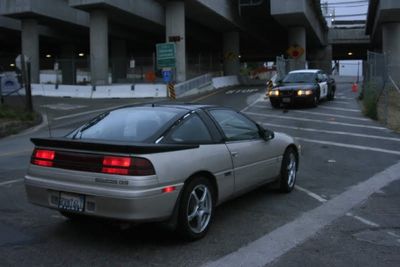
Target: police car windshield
<point>299,77</point>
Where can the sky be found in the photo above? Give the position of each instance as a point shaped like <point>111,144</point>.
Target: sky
<point>346,9</point>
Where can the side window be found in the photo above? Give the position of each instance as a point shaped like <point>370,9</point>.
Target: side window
<point>235,126</point>
<point>321,77</point>
<point>192,130</point>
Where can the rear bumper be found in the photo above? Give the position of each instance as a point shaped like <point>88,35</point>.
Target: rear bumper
<point>130,205</point>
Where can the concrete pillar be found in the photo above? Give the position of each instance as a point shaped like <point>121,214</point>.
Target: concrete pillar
<point>99,47</point>
<point>321,58</point>
<point>67,64</point>
<point>231,52</point>
<point>30,46</point>
<point>119,59</point>
<point>297,37</point>
<point>391,48</point>
<point>175,26</point>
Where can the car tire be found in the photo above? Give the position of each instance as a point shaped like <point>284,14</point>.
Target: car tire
<point>288,171</point>
<point>196,210</point>
<point>331,95</point>
<point>315,100</point>
<point>275,104</point>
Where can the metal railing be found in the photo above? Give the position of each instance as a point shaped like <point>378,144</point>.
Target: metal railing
<point>194,83</point>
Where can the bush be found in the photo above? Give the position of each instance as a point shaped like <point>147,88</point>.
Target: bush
<point>370,100</point>
<point>9,113</point>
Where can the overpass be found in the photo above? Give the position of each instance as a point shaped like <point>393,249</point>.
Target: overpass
<point>109,32</point>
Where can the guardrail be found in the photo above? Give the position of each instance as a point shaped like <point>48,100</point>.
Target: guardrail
<point>194,83</point>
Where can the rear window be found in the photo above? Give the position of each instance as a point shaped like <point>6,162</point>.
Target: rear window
<point>134,124</point>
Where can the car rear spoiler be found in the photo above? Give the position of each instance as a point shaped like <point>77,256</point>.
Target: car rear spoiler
<point>109,146</point>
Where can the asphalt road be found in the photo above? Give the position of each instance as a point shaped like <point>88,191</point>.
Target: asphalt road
<point>325,221</point>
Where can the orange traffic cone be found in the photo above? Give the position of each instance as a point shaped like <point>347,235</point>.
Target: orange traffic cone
<point>354,87</point>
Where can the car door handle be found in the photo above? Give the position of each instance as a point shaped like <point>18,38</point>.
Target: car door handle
<point>234,154</point>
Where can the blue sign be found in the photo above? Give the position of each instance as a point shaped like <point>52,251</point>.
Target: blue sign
<point>167,76</point>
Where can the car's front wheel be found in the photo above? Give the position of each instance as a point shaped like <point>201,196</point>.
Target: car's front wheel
<point>197,209</point>
<point>288,171</point>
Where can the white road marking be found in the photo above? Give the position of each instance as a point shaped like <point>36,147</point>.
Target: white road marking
<point>11,182</point>
<point>62,106</point>
<point>85,113</point>
<point>341,109</point>
<point>311,194</point>
<point>375,149</point>
<point>330,115</point>
<point>319,114</point>
<point>317,121</point>
<point>364,221</point>
<point>333,132</point>
<point>16,153</point>
<point>252,104</point>
<point>393,234</point>
<point>273,245</point>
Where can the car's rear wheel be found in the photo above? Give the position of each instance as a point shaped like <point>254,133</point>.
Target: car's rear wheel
<point>197,209</point>
<point>275,104</point>
<point>288,171</point>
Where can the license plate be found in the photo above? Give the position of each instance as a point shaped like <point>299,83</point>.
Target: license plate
<point>72,202</point>
<point>286,100</point>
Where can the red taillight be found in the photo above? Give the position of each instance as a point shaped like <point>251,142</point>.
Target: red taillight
<point>45,154</point>
<point>127,166</point>
<point>115,171</point>
<point>42,157</point>
<point>117,162</point>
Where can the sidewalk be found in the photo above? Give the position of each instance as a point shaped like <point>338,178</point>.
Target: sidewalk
<point>369,235</point>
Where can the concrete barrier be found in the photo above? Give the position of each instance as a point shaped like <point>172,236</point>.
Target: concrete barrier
<point>130,91</point>
<point>224,81</point>
<point>51,90</point>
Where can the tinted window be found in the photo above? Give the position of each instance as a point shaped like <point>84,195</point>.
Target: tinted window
<point>235,126</point>
<point>134,124</point>
<point>192,130</point>
<point>299,77</point>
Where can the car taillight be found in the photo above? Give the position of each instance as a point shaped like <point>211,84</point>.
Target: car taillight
<point>127,166</point>
<point>43,157</point>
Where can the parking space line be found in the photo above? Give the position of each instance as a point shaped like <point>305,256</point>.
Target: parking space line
<point>367,148</point>
<point>364,221</point>
<point>252,104</point>
<point>87,112</point>
<point>318,121</point>
<point>341,109</point>
<point>15,153</point>
<point>333,132</point>
<point>11,182</point>
<point>311,194</point>
<point>330,115</point>
<point>278,242</point>
<point>319,114</point>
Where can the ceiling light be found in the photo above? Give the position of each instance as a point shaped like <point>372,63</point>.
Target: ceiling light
<point>81,54</point>
<point>350,53</point>
<point>48,56</point>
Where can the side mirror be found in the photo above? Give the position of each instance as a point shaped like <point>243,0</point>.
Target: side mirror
<point>266,134</point>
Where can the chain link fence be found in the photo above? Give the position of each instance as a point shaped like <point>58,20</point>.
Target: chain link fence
<point>381,92</point>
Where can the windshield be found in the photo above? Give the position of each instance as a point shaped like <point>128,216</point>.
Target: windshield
<point>299,77</point>
<point>135,124</point>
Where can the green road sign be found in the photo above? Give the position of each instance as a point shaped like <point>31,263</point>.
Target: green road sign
<point>165,55</point>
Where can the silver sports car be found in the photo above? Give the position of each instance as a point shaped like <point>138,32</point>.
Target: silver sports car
<point>159,162</point>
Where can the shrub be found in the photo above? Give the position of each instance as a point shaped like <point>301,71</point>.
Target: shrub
<point>370,100</point>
